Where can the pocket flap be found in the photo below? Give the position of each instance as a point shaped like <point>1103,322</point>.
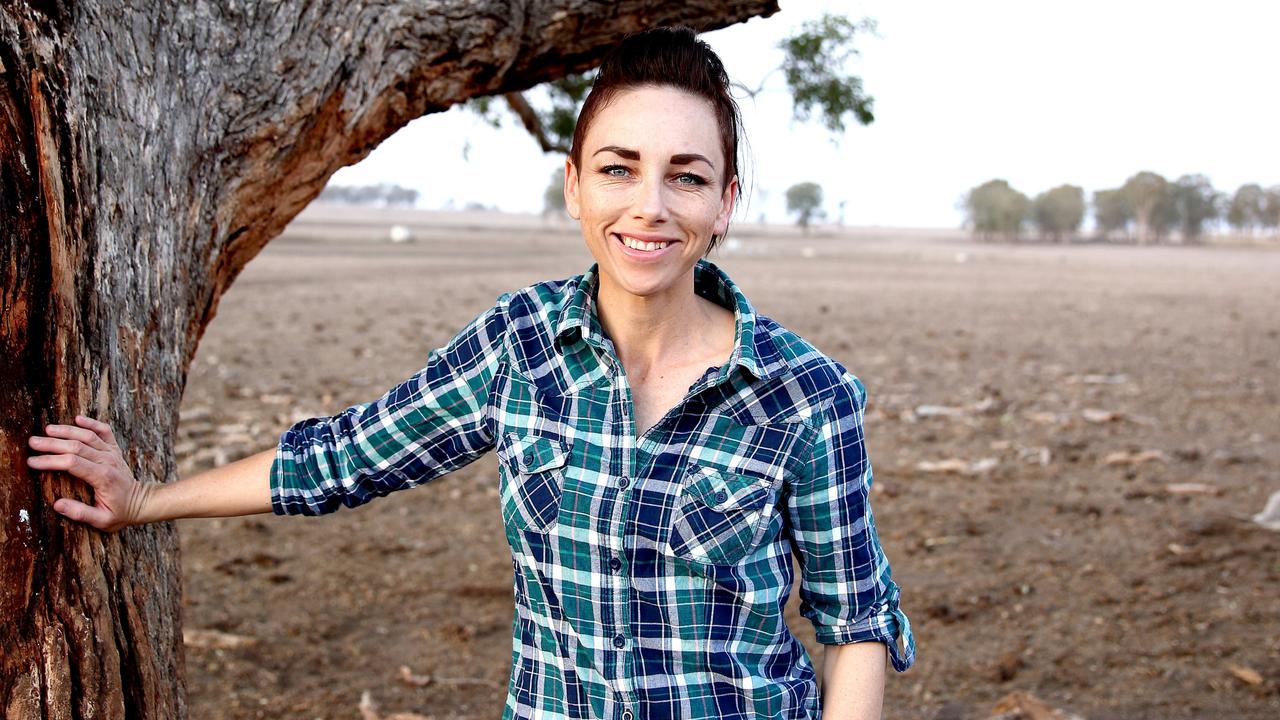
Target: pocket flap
<point>535,453</point>
<point>723,491</point>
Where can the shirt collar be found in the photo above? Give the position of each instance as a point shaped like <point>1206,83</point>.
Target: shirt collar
<point>754,352</point>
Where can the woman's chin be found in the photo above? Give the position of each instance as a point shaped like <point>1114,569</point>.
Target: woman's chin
<point>644,282</point>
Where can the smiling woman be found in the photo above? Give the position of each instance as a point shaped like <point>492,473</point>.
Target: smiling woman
<point>665,452</point>
<point>649,210</point>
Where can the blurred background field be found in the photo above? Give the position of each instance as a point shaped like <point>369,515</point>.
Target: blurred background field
<point>1068,444</point>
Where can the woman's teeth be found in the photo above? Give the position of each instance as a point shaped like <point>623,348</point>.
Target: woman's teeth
<point>641,245</point>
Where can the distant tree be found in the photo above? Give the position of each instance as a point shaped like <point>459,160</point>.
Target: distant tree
<point>1195,202</point>
<point>1247,208</point>
<point>1149,196</point>
<point>804,200</point>
<point>401,196</point>
<point>1270,216</point>
<point>1058,212</point>
<point>1112,213</point>
<point>553,196</point>
<point>382,195</point>
<point>994,208</point>
<point>1254,208</point>
<point>813,65</point>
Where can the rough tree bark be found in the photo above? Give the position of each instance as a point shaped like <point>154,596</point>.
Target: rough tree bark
<point>148,150</point>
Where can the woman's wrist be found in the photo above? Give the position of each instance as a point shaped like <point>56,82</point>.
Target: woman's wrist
<point>142,505</point>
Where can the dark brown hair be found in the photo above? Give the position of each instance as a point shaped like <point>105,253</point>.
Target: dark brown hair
<point>669,57</point>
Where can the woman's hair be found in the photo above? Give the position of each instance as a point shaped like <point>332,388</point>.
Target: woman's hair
<point>669,57</point>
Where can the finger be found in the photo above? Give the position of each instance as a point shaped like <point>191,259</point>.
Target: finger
<point>80,512</point>
<point>93,473</point>
<point>84,435</point>
<point>98,427</point>
<point>70,447</point>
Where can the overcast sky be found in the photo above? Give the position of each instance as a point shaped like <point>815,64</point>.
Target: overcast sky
<point>1039,93</point>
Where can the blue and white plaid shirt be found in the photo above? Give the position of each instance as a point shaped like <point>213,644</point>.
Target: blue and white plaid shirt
<point>651,573</point>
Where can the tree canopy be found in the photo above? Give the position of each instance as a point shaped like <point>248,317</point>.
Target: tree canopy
<point>1059,212</point>
<point>804,200</point>
<point>1111,212</point>
<point>1247,207</point>
<point>994,208</point>
<point>813,67</point>
<point>1146,208</point>
<point>1195,203</point>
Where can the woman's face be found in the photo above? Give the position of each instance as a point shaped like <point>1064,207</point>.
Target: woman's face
<point>649,193</point>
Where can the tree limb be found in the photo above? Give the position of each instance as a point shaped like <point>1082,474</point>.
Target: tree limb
<point>529,118</point>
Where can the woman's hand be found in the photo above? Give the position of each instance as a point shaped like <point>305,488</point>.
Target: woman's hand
<point>88,450</point>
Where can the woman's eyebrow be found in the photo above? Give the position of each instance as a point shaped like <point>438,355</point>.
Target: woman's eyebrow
<point>677,159</point>
<point>624,153</point>
<point>690,158</point>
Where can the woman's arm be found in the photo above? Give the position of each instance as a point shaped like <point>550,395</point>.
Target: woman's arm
<point>853,681</point>
<point>88,450</point>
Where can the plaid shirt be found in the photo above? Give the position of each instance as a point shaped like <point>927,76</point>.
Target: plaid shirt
<point>651,573</point>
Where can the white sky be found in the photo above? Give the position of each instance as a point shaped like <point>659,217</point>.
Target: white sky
<point>1039,93</point>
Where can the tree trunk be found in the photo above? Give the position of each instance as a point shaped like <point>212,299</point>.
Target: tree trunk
<point>147,152</point>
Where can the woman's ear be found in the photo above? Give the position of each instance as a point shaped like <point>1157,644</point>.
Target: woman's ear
<point>571,203</point>
<point>726,206</point>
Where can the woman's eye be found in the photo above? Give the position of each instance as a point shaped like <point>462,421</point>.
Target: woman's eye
<point>614,170</point>
<point>690,179</point>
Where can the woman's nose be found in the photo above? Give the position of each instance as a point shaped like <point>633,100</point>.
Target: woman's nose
<point>650,201</point>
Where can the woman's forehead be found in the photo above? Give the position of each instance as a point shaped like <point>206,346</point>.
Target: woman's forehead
<point>656,119</point>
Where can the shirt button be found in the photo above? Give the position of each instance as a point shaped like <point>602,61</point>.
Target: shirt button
<point>721,496</point>
<point>528,458</point>
<point>619,641</point>
<point>626,715</point>
<point>623,482</point>
<point>615,564</point>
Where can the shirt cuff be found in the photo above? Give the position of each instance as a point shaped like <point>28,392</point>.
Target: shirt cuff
<point>277,482</point>
<point>884,622</point>
<point>292,491</point>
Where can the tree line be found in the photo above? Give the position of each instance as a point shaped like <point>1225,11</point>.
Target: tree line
<point>382,195</point>
<point>1146,209</point>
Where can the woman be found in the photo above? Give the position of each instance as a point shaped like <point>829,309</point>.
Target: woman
<point>663,450</point>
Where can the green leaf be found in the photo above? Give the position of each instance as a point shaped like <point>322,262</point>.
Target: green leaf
<point>813,65</point>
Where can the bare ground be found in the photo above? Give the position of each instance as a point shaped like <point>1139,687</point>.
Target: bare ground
<point>1075,388</point>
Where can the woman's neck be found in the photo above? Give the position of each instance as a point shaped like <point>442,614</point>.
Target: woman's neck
<point>665,328</point>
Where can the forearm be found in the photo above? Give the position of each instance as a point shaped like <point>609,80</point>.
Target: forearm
<point>853,681</point>
<point>239,488</point>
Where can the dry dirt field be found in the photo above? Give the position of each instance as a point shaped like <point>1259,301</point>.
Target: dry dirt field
<point>1068,443</point>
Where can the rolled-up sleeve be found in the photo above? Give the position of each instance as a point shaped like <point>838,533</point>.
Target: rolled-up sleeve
<point>846,589</point>
<point>433,423</point>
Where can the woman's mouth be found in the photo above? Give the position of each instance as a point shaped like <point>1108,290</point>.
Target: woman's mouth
<point>640,248</point>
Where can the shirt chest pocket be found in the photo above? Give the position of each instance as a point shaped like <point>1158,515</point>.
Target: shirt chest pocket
<point>533,468</point>
<point>719,516</point>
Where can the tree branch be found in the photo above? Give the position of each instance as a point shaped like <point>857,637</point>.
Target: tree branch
<point>529,118</point>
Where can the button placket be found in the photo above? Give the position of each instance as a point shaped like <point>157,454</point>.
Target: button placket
<point>620,596</point>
